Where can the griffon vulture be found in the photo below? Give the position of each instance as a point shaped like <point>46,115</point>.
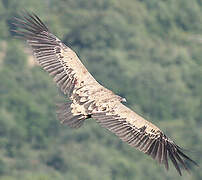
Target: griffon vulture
<point>89,99</point>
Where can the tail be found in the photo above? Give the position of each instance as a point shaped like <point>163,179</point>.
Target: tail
<point>66,116</point>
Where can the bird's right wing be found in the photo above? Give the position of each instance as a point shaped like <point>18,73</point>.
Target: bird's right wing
<point>141,134</point>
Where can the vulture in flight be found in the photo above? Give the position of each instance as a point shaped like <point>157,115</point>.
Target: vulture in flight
<point>89,99</point>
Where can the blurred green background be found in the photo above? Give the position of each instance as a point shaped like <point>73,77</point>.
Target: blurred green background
<point>148,51</point>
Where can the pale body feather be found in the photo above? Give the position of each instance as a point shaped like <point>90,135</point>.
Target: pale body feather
<point>91,99</point>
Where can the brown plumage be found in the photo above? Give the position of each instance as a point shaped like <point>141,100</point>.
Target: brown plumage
<point>89,99</point>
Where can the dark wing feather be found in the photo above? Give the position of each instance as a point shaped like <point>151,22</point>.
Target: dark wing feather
<point>63,64</point>
<point>88,97</point>
<point>54,57</point>
<point>142,135</point>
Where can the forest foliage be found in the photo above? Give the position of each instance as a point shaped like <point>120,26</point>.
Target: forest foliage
<point>148,51</point>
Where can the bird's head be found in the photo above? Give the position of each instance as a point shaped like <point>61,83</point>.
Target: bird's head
<point>121,99</point>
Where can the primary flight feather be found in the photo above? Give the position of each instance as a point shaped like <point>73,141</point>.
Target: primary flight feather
<point>89,99</point>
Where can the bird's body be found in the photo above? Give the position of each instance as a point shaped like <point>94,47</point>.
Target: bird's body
<point>89,99</point>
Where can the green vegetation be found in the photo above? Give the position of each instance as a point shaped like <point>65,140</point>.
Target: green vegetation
<point>144,50</point>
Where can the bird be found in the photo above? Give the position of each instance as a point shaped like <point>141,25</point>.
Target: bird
<point>88,99</point>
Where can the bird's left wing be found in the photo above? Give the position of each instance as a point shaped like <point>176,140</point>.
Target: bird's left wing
<point>55,57</point>
<point>86,95</point>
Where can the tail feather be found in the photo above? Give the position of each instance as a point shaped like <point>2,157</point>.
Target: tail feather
<point>66,116</point>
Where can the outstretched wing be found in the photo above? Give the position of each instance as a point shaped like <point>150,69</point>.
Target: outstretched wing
<point>54,56</point>
<point>63,64</point>
<point>90,99</point>
<point>141,134</point>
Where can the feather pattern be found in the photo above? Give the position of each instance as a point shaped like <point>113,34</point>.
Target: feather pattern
<point>90,99</point>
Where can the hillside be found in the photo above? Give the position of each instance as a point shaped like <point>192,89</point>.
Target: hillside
<point>146,51</point>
